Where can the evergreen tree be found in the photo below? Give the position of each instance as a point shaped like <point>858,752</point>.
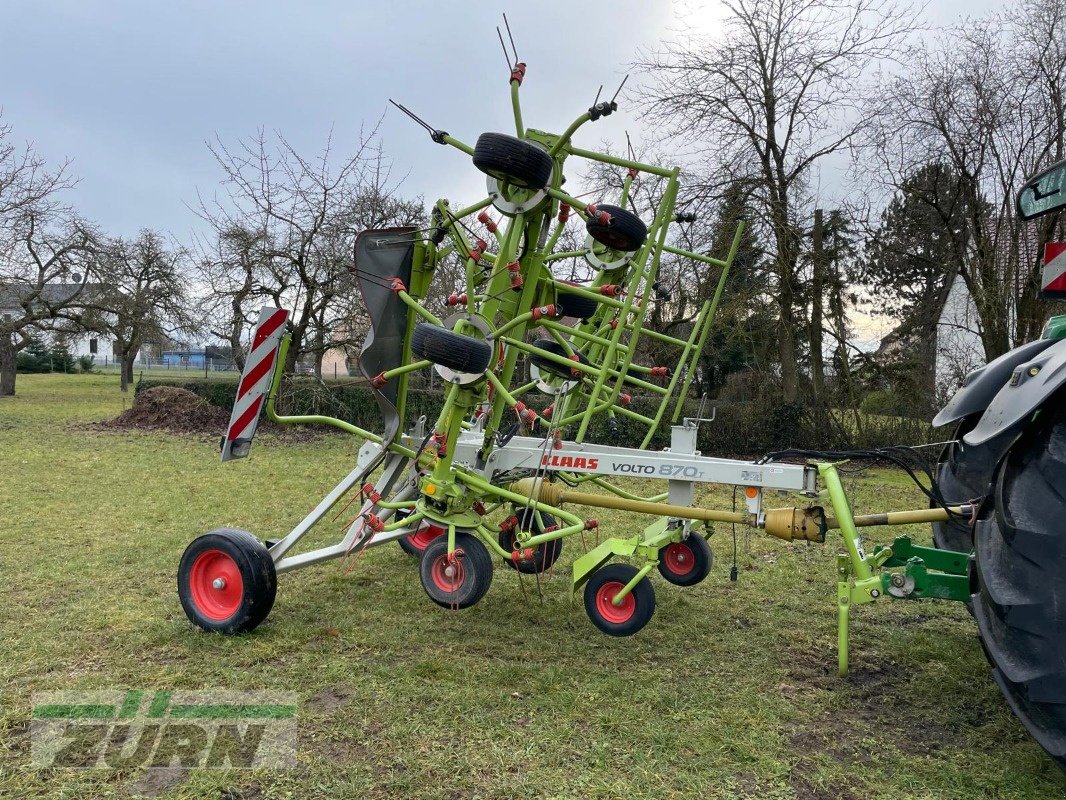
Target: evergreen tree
<point>742,336</point>
<point>913,258</point>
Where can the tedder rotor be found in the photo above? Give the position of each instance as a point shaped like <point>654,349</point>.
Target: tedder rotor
<point>533,366</point>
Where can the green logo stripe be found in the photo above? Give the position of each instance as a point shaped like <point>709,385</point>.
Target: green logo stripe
<point>130,704</point>
<point>236,711</point>
<point>159,705</point>
<point>84,711</point>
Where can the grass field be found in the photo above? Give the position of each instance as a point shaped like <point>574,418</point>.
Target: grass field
<point>730,692</point>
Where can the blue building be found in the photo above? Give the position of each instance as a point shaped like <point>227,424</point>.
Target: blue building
<point>184,358</point>
<point>217,357</point>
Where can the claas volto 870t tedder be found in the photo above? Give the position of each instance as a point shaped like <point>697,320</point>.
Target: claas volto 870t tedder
<point>530,360</point>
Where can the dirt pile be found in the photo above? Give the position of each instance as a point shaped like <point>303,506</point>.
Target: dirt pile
<point>172,409</point>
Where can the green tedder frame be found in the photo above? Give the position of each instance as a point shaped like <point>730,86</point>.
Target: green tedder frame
<point>530,361</point>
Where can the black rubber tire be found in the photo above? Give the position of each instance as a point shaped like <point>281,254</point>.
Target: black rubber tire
<point>415,544</point>
<point>1020,604</point>
<point>544,555</point>
<point>686,563</point>
<point>474,577</point>
<point>406,546</point>
<point>630,617</point>
<point>547,365</point>
<point>450,349</point>
<point>574,306</point>
<point>963,473</point>
<point>240,552</point>
<point>515,161</point>
<point>625,231</point>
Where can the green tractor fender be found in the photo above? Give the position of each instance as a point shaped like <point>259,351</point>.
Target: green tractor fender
<point>1032,383</point>
<point>984,383</point>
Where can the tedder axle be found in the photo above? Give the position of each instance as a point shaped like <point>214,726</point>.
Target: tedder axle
<point>927,572</point>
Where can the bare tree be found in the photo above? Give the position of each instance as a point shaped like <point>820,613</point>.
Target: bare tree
<point>27,182</point>
<point>285,234</point>
<point>987,101</point>
<point>142,298</point>
<point>1039,28</point>
<point>775,94</point>
<point>45,251</point>
<point>231,267</point>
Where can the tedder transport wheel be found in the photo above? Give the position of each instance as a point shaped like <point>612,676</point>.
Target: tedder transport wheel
<point>636,608</point>
<point>544,555</point>
<point>450,349</point>
<point>551,366</point>
<point>558,369</point>
<point>460,581</point>
<point>686,563</point>
<point>513,160</point>
<point>226,581</point>
<point>624,232</point>
<point>574,305</point>
<point>962,474</point>
<point>416,543</point>
<point>1020,545</point>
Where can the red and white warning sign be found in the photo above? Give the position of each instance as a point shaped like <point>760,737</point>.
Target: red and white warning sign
<point>255,382</point>
<point>1053,284</point>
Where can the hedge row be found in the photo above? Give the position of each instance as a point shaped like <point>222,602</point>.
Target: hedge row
<point>739,429</point>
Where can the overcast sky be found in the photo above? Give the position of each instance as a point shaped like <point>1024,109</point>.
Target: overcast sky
<point>131,89</point>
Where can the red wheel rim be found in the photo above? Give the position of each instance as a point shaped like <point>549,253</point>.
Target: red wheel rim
<point>679,559</point>
<point>421,538</point>
<point>215,585</point>
<point>439,573</point>
<point>608,610</point>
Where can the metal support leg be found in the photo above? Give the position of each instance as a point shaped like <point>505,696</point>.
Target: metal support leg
<point>843,615</point>
<point>641,574</point>
<point>319,511</point>
<point>394,467</point>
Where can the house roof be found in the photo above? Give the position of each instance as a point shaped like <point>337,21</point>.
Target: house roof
<point>13,294</point>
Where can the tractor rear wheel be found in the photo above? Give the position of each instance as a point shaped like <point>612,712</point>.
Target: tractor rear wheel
<point>1020,605</point>
<point>962,474</point>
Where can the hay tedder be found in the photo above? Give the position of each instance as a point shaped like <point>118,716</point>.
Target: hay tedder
<point>536,368</point>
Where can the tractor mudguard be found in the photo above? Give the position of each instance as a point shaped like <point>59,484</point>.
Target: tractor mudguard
<point>1031,383</point>
<point>381,256</point>
<point>981,385</point>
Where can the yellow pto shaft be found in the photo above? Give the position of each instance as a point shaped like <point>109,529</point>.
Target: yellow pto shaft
<point>790,524</point>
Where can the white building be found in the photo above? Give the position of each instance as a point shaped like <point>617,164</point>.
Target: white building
<point>100,346</point>
<point>958,338</point>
